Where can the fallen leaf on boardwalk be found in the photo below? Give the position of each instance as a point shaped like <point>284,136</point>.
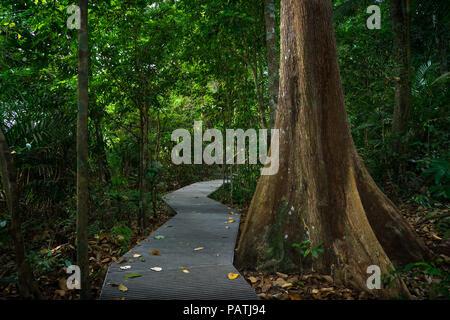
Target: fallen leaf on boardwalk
<point>157,269</point>
<point>132,275</point>
<point>294,297</point>
<point>227,227</point>
<point>159,237</point>
<point>230,221</point>
<point>217,254</point>
<point>156,252</point>
<point>186,271</point>
<point>136,255</point>
<point>233,212</point>
<point>125,267</point>
<point>233,276</point>
<point>113,284</point>
<point>199,248</point>
<point>142,259</point>
<point>122,288</point>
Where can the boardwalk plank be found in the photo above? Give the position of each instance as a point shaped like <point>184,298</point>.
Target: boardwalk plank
<point>199,222</point>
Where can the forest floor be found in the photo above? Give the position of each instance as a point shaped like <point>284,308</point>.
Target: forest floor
<point>106,247</point>
<point>429,280</point>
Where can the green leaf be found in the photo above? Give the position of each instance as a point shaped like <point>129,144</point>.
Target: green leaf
<point>132,275</point>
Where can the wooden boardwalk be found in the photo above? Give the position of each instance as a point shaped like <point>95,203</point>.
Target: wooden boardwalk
<point>200,239</point>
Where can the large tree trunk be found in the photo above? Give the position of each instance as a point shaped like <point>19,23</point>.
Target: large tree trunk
<point>400,17</point>
<point>27,286</point>
<point>322,191</point>
<point>82,152</point>
<point>273,57</point>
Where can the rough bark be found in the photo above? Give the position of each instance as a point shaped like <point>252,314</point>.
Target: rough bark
<point>27,286</point>
<point>322,192</point>
<point>400,16</point>
<point>82,152</point>
<point>272,56</point>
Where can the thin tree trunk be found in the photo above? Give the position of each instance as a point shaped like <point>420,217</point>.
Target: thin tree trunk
<point>272,53</point>
<point>28,287</point>
<point>144,156</point>
<point>441,42</point>
<point>82,153</point>
<point>322,193</point>
<point>101,155</point>
<point>400,17</point>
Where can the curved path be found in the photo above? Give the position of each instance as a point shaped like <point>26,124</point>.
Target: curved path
<point>200,239</point>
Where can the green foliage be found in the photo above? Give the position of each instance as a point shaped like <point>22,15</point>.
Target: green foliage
<point>122,233</point>
<point>437,278</point>
<point>306,248</point>
<point>439,169</point>
<point>4,233</point>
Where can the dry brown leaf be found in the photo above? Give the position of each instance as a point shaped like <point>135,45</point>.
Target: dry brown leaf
<point>156,252</point>
<point>253,279</point>
<point>137,255</point>
<point>435,236</point>
<point>199,248</point>
<point>286,285</point>
<point>294,297</point>
<point>279,282</point>
<point>60,293</point>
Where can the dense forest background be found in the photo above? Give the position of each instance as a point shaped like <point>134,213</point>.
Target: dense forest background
<point>158,67</point>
